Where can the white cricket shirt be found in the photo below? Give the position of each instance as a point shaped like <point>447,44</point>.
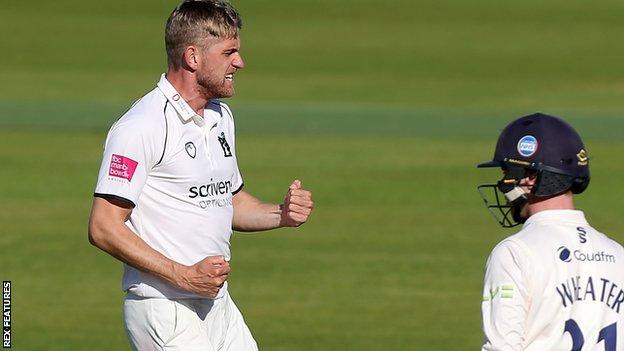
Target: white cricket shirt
<point>179,170</point>
<point>557,285</point>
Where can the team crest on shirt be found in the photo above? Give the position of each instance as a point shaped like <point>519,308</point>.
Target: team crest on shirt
<point>190,149</point>
<point>227,152</point>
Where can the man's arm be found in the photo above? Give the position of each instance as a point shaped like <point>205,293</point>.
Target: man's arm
<point>107,231</point>
<point>251,214</point>
<point>505,298</point>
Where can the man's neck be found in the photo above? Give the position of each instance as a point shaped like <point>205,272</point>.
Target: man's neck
<point>186,85</point>
<point>560,202</point>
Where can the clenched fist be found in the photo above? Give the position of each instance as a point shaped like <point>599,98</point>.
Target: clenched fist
<point>297,206</point>
<point>205,277</point>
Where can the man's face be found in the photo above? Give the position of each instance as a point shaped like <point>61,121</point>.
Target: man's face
<point>522,213</point>
<point>219,60</point>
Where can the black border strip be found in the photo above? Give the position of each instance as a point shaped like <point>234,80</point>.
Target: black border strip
<point>237,190</point>
<point>114,197</point>
<point>166,134</point>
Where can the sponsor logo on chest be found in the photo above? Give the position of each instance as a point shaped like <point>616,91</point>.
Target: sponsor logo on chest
<point>212,194</point>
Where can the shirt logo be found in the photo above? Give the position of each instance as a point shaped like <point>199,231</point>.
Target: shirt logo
<point>217,193</point>
<point>190,149</point>
<point>503,291</point>
<point>527,145</point>
<point>122,167</point>
<point>582,158</point>
<point>224,145</point>
<point>564,254</point>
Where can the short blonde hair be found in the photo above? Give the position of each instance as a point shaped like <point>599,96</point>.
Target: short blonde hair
<point>195,20</point>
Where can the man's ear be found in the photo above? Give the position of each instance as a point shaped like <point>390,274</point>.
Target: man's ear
<point>190,57</point>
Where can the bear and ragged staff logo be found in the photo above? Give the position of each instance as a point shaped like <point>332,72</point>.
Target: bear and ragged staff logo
<point>227,152</point>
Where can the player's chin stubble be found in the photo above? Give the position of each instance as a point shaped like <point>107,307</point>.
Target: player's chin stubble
<point>213,88</point>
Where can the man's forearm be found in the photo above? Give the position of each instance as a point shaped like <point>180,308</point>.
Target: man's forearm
<point>119,241</point>
<point>250,214</point>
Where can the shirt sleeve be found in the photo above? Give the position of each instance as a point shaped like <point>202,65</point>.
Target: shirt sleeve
<point>132,149</point>
<point>505,298</point>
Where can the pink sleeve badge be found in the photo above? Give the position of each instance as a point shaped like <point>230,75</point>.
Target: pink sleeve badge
<point>122,167</point>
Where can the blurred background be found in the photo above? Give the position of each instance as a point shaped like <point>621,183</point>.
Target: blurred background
<point>383,109</point>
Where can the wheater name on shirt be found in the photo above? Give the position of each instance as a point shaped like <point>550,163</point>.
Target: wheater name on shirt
<point>591,289</point>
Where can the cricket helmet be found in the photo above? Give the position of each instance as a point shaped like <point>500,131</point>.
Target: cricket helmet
<point>540,145</point>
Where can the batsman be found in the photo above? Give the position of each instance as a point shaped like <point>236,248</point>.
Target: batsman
<point>558,283</point>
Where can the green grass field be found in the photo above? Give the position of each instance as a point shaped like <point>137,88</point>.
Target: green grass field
<point>383,110</point>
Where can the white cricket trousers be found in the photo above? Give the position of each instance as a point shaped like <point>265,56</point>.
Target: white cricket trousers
<point>159,324</point>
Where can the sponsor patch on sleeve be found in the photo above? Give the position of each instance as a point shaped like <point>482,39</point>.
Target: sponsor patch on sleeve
<point>122,167</point>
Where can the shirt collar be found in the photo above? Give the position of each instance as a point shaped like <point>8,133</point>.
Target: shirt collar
<point>561,216</point>
<point>181,106</point>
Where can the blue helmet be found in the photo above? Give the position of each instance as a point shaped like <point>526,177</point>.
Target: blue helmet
<point>541,145</point>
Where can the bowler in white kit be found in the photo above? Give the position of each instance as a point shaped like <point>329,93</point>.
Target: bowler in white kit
<point>558,284</point>
<point>169,192</point>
